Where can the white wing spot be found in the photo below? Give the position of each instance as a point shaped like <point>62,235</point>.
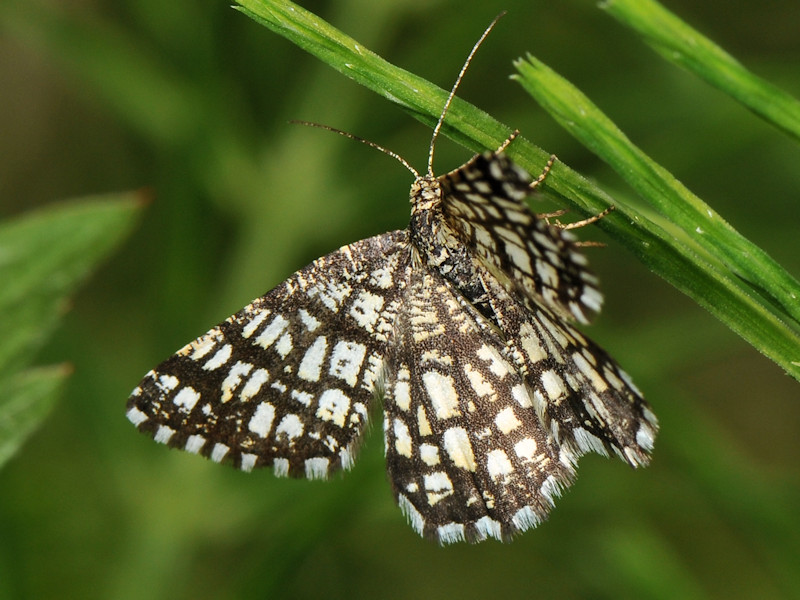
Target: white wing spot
<point>366,309</point>
<point>311,365</point>
<point>359,413</point>
<point>254,323</point>
<point>507,421</point>
<point>136,416</point>
<point>382,277</point>
<point>333,294</point>
<point>280,467</point>
<point>219,452</point>
<point>254,384</point>
<point>346,360</point>
<point>422,421</point>
<point>547,273</point>
<point>163,434</point>
<point>402,395</point>
<point>311,322</point>
<point>558,333</point>
<point>291,426</point>
<point>530,344</point>
<point>482,187</point>
<point>248,461</point>
<point>553,385</point>
<point>261,422</point>
<point>520,393</point>
<point>592,298</point>
<point>509,236</point>
<point>194,444</point>
<point>302,397</point>
<point>271,332</point>
<point>373,372</point>
<point>496,171</point>
<point>435,356</point>
<point>402,439</point>
<point>484,238</point>
<point>429,454</point>
<point>167,383</point>
<point>233,379</point>
<point>402,390</point>
<point>331,443</point>
<point>201,346</point>
<point>220,358</point>
<point>499,367</point>
<point>186,399</point>
<point>478,381</point>
<point>599,384</point>
<point>333,406</point>
<point>317,468</point>
<point>520,258</point>
<point>442,393</point>
<point>458,447</point>
<point>498,465</point>
<point>526,448</point>
<point>438,486</point>
<point>284,345</point>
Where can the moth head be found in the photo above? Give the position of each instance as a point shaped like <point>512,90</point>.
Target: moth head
<point>426,193</point>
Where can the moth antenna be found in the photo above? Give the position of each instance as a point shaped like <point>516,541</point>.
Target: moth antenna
<point>346,134</point>
<point>455,87</point>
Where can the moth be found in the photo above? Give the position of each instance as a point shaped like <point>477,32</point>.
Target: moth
<point>463,323</point>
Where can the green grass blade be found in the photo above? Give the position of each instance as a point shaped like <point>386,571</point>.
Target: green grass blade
<point>694,249</point>
<point>466,124</point>
<point>680,44</point>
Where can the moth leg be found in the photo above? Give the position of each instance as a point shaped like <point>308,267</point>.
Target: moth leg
<point>545,172</point>
<point>508,141</point>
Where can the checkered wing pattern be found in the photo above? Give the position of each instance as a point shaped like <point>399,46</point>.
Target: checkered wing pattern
<point>579,392</point>
<point>483,202</point>
<point>287,381</point>
<point>463,321</point>
<point>466,453</point>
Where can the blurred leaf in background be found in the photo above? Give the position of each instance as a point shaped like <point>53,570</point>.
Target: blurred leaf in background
<point>192,99</point>
<point>44,255</point>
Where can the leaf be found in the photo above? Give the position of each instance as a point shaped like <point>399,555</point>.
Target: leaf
<point>44,255</point>
<point>27,399</point>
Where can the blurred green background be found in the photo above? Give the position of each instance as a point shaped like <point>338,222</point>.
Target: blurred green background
<point>190,99</point>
